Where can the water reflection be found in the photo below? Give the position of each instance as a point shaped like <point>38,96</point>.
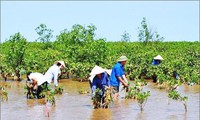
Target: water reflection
<point>101,114</point>
<point>141,116</point>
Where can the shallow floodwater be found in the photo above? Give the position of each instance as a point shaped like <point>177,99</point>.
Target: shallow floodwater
<point>74,106</point>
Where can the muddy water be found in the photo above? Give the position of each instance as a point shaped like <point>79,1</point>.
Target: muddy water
<point>74,106</point>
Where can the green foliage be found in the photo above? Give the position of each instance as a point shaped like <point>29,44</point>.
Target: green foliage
<point>45,35</point>
<point>174,95</point>
<point>59,90</point>
<point>83,91</point>
<point>107,98</point>
<point>146,34</point>
<point>81,46</point>
<point>97,98</point>
<point>13,50</point>
<point>136,92</point>
<point>3,94</point>
<point>141,98</point>
<point>81,52</point>
<point>28,91</point>
<point>49,94</point>
<point>135,88</point>
<point>125,37</point>
<point>100,100</point>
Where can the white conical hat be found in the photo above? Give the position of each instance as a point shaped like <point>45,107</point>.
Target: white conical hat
<point>158,57</point>
<point>61,62</point>
<point>96,70</point>
<point>108,71</point>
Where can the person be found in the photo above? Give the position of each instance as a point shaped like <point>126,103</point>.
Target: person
<point>37,83</point>
<point>99,80</point>
<point>156,61</point>
<point>54,71</point>
<point>4,75</point>
<point>18,75</point>
<point>118,76</point>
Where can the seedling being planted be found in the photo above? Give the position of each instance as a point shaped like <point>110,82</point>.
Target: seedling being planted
<point>59,90</point>
<point>107,98</point>
<point>96,98</point>
<point>49,94</point>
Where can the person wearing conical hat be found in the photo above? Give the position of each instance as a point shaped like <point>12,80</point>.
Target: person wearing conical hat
<point>157,60</point>
<point>118,75</point>
<point>54,71</point>
<point>99,80</point>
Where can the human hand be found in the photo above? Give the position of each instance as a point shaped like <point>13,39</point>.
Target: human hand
<point>93,94</point>
<point>35,87</point>
<point>106,87</point>
<point>125,84</point>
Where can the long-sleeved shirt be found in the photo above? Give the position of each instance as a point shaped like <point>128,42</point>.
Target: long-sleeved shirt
<point>155,62</point>
<point>38,77</point>
<point>52,74</point>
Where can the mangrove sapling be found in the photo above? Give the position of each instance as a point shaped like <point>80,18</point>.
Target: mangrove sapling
<point>174,95</point>
<point>29,92</point>
<point>131,93</point>
<point>135,92</point>
<point>141,98</point>
<point>4,94</point>
<point>173,84</point>
<point>49,97</point>
<point>137,87</point>
<point>49,94</point>
<point>125,89</point>
<point>96,98</point>
<point>107,98</point>
<point>59,90</point>
<point>83,91</point>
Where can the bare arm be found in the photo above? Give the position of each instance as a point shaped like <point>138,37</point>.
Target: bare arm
<point>34,83</point>
<point>124,78</point>
<point>122,81</point>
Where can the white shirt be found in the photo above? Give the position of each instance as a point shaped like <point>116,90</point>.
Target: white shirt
<point>38,77</point>
<point>52,74</point>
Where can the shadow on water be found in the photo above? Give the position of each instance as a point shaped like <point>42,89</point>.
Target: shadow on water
<point>74,106</point>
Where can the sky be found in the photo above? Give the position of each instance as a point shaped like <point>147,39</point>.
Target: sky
<point>173,20</point>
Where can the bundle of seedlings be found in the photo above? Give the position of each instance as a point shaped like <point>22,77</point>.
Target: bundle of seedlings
<point>30,93</point>
<point>107,98</point>
<point>96,98</point>
<point>59,90</point>
<point>49,94</point>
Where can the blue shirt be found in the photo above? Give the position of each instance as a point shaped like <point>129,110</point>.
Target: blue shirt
<point>155,62</point>
<point>117,71</point>
<point>100,83</point>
